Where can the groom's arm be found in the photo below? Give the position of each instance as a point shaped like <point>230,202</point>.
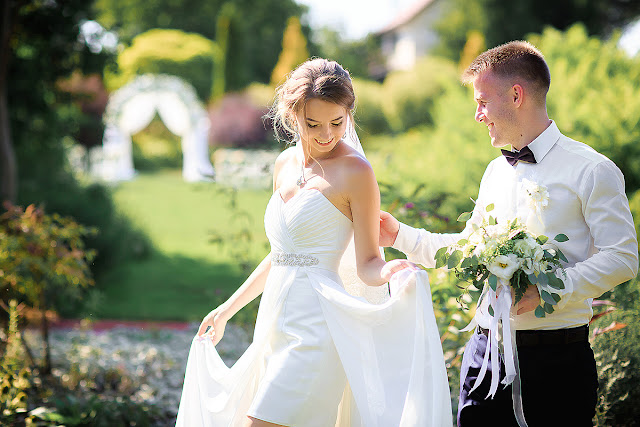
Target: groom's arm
<point>420,245</point>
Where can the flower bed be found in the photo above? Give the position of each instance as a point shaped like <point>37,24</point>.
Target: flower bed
<point>145,365</point>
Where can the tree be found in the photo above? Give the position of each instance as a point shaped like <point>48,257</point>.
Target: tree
<point>294,51</point>
<point>504,20</point>
<point>255,29</point>
<point>39,45</point>
<point>38,254</point>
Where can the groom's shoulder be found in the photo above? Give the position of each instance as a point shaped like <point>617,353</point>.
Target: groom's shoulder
<point>578,152</point>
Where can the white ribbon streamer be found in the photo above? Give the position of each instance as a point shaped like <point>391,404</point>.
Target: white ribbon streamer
<point>501,303</point>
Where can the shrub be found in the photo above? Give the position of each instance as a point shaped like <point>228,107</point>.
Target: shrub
<point>369,116</point>
<point>186,55</point>
<point>618,359</point>
<point>409,96</point>
<point>591,78</point>
<point>236,121</point>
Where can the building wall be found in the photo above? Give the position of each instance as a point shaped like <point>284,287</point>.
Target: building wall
<point>407,43</point>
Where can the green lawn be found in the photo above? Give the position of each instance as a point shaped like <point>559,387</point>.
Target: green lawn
<point>186,275</point>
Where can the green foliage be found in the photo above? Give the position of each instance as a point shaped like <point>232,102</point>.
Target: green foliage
<point>362,58</point>
<point>409,96</point>
<point>618,358</point>
<point>186,55</point>
<point>15,374</point>
<point>294,51</point>
<point>503,20</point>
<point>254,37</point>
<point>369,115</point>
<point>40,253</point>
<point>591,78</point>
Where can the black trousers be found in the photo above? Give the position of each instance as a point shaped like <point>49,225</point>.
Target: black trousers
<point>559,384</point>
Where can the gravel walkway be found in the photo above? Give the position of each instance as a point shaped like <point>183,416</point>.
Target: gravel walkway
<point>144,361</point>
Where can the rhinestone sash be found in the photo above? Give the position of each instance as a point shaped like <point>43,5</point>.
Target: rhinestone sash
<point>290,260</point>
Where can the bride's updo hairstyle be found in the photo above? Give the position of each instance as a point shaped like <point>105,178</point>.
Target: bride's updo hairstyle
<point>314,79</point>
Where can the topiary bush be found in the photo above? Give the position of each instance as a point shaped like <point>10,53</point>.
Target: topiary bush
<point>173,52</point>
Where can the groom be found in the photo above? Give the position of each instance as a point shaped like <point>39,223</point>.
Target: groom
<point>586,202</point>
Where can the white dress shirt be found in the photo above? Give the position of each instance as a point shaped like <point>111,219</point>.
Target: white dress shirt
<point>587,202</point>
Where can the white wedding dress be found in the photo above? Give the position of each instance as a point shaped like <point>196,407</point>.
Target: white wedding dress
<point>321,356</point>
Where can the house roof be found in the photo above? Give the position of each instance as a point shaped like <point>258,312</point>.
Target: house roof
<point>406,16</point>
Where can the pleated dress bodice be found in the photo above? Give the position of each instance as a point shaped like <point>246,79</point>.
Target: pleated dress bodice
<point>307,230</point>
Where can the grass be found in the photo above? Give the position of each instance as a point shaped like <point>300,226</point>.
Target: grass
<point>186,275</point>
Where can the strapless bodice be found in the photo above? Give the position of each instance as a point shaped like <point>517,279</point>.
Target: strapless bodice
<point>307,230</point>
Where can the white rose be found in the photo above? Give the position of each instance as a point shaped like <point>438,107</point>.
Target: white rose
<point>523,247</point>
<point>504,266</point>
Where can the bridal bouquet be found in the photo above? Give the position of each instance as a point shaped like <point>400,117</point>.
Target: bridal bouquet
<point>506,254</point>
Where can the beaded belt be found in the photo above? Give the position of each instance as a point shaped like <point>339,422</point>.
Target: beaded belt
<point>290,260</point>
<point>529,338</point>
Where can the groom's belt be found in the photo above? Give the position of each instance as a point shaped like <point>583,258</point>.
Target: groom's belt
<point>530,338</point>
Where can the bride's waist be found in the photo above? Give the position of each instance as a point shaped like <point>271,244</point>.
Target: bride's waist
<point>326,261</point>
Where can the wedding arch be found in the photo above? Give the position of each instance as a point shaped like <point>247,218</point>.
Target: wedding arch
<point>132,107</point>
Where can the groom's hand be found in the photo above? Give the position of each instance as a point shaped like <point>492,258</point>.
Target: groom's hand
<point>389,227</point>
<point>529,300</point>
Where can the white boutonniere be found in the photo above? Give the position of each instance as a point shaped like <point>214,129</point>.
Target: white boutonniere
<point>538,195</point>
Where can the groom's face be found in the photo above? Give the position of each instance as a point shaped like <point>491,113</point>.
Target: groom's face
<point>495,108</point>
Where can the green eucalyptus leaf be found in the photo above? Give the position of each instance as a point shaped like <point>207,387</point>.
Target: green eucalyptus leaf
<point>561,255</point>
<point>554,281</point>
<point>493,282</point>
<point>556,297</point>
<point>464,217</point>
<point>491,312</point>
<point>539,312</point>
<point>454,259</point>
<point>546,297</point>
<point>533,279</point>
<point>467,262</point>
<point>548,308</point>
<point>543,279</point>
<point>542,239</point>
<point>490,207</point>
<point>561,238</point>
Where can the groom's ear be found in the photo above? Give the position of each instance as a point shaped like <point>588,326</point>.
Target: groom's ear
<point>517,95</point>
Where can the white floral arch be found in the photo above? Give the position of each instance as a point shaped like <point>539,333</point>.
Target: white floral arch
<point>131,109</point>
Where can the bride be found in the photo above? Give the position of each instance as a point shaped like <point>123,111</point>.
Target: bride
<point>321,356</point>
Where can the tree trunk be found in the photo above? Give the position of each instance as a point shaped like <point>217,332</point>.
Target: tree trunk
<point>46,351</point>
<point>8,165</point>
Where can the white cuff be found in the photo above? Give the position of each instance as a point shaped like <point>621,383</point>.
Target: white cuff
<point>407,239</point>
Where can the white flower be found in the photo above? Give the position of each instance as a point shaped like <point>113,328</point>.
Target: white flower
<point>504,266</point>
<point>538,194</point>
<point>528,266</point>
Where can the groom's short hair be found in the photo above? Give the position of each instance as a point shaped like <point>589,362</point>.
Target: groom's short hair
<point>516,59</point>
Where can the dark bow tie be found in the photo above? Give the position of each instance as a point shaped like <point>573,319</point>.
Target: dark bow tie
<point>524,155</point>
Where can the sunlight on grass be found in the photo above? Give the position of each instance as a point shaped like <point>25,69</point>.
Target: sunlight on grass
<point>186,276</point>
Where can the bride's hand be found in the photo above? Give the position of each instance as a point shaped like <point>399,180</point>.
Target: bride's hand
<point>393,266</point>
<point>216,321</point>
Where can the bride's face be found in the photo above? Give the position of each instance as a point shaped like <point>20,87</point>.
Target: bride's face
<point>321,125</point>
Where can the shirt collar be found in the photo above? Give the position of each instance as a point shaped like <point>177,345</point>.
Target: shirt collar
<point>543,143</point>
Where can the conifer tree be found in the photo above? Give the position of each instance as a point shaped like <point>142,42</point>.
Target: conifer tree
<point>294,51</point>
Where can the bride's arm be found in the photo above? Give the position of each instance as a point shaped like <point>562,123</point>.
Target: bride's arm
<point>214,323</point>
<point>364,201</point>
<point>217,319</point>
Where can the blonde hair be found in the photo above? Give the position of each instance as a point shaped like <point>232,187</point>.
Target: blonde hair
<point>313,79</point>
